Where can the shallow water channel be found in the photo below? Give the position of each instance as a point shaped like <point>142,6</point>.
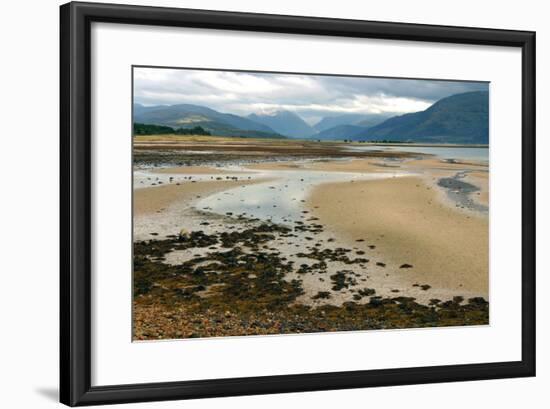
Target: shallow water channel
<point>280,199</point>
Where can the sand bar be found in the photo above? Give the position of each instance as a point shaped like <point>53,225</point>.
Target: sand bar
<point>408,223</point>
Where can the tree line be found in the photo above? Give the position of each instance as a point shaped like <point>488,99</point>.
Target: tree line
<point>150,129</point>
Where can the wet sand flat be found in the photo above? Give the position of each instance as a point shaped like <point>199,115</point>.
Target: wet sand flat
<point>408,224</point>
<point>480,179</point>
<point>356,166</point>
<point>197,170</point>
<point>154,199</point>
<point>352,165</point>
<point>438,164</point>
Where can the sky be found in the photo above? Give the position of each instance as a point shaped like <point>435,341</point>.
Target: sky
<point>312,97</point>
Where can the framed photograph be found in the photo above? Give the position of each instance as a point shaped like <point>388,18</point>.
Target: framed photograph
<point>257,204</point>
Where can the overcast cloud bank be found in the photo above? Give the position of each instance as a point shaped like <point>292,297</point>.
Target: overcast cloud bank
<point>310,96</point>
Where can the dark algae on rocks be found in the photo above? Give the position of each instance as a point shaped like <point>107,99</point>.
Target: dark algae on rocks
<point>237,284</point>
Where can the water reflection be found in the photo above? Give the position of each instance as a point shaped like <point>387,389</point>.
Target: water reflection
<point>280,200</point>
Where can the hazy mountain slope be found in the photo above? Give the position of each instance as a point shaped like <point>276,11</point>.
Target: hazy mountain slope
<point>331,121</point>
<point>373,120</point>
<point>284,122</point>
<point>138,108</point>
<point>460,118</point>
<point>340,132</point>
<point>350,119</point>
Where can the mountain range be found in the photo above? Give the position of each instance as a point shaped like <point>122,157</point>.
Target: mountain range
<point>460,118</point>
<point>189,116</point>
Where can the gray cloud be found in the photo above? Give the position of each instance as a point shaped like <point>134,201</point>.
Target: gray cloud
<point>310,96</point>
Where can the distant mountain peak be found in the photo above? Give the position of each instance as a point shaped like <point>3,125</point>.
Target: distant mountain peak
<point>285,122</point>
<point>267,112</point>
<point>360,119</point>
<point>274,112</point>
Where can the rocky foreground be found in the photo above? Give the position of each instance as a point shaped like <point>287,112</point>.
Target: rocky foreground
<point>238,283</point>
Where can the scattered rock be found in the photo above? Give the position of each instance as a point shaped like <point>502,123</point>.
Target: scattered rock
<point>321,295</point>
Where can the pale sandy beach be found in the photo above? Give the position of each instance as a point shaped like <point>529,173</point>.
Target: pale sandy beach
<point>404,219</point>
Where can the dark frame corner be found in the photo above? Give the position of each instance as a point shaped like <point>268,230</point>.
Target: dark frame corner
<point>75,199</point>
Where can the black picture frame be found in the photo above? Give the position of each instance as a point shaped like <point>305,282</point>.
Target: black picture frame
<point>76,202</point>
